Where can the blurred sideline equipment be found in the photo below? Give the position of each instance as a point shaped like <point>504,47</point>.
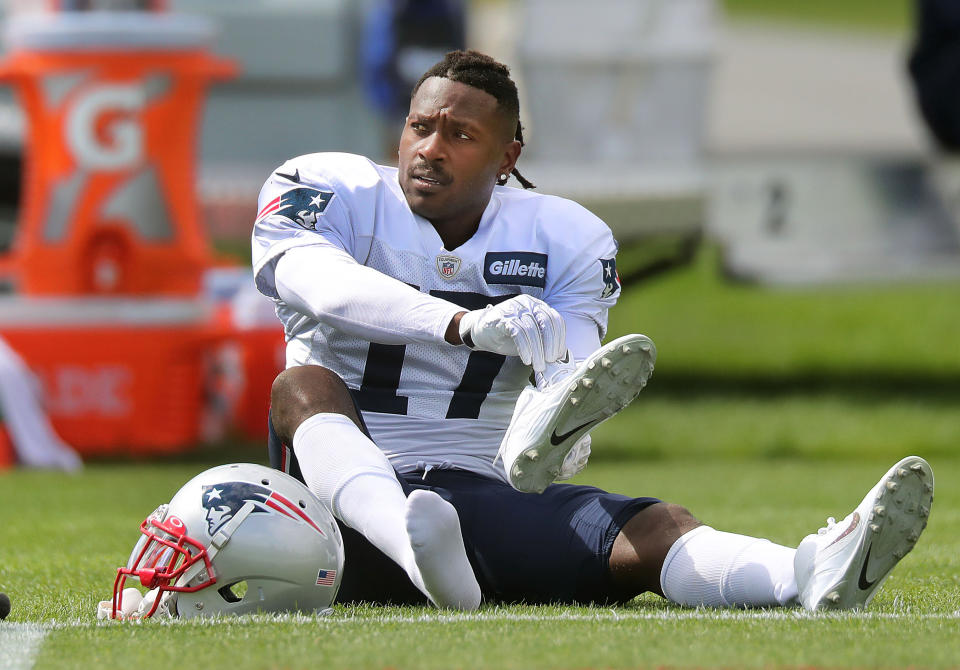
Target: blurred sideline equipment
<point>617,93</point>
<point>27,436</point>
<point>235,539</point>
<point>806,219</point>
<point>110,261</point>
<point>112,102</point>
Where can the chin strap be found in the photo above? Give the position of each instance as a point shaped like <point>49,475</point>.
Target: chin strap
<point>217,542</point>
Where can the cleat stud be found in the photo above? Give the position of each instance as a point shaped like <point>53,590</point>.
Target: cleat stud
<point>645,346</point>
<point>626,349</point>
<point>587,383</point>
<point>833,597</point>
<point>916,467</point>
<point>574,401</point>
<point>554,471</point>
<point>924,512</point>
<point>606,362</point>
<point>879,510</point>
<point>591,365</point>
<point>899,553</point>
<point>892,486</point>
<point>901,472</point>
<point>533,454</point>
<point>928,487</point>
<point>875,528</point>
<point>573,387</point>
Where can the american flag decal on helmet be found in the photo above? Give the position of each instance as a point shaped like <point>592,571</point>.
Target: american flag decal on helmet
<point>326,577</point>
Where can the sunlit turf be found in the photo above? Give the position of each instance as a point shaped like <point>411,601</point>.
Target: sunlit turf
<point>860,15</point>
<point>863,337</point>
<point>841,372</point>
<point>872,15</point>
<point>66,534</point>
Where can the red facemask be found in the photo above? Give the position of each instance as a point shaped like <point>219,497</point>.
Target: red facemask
<point>161,557</point>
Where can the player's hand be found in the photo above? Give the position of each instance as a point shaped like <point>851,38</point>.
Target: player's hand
<point>576,459</point>
<point>521,326</point>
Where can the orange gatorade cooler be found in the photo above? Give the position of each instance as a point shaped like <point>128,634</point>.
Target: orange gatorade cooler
<point>112,101</point>
<point>119,375</point>
<point>109,256</point>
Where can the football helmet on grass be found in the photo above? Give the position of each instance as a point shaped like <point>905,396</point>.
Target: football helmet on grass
<point>236,539</point>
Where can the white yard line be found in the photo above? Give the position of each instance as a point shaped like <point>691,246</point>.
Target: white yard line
<point>599,616</point>
<point>19,644</point>
<point>686,615</point>
<point>21,641</point>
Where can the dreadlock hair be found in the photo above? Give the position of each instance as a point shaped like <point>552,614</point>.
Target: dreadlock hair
<point>480,71</point>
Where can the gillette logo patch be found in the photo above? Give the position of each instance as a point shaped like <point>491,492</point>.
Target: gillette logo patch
<point>515,267</point>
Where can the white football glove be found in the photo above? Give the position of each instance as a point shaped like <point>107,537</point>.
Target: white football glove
<point>576,459</point>
<point>521,326</point>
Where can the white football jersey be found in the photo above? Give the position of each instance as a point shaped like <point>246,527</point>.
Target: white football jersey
<point>427,403</point>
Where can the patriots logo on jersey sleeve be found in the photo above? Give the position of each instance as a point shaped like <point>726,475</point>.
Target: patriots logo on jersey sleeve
<point>223,501</point>
<point>303,206</point>
<point>611,281</point>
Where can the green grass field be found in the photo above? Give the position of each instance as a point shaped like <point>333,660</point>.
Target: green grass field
<point>769,411</point>
<point>68,533</point>
<point>871,15</point>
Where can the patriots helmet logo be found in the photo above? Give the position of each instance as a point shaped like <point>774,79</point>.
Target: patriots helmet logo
<point>223,501</point>
<point>303,206</point>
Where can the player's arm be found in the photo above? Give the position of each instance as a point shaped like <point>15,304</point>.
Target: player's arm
<point>331,287</point>
<point>327,284</point>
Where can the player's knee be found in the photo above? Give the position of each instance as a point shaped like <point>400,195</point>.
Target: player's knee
<point>675,520</point>
<point>302,391</point>
<point>643,543</point>
<point>656,528</point>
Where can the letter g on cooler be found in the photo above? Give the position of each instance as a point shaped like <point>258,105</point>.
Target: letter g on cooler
<point>121,144</point>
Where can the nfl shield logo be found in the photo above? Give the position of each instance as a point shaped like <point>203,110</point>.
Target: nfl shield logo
<point>448,266</point>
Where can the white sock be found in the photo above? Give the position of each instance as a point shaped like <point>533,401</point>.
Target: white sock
<point>350,474</point>
<point>716,569</point>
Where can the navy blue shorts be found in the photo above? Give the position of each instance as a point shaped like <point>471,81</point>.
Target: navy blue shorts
<point>524,547</point>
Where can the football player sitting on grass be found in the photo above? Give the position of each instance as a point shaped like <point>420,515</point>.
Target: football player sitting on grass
<point>445,368</point>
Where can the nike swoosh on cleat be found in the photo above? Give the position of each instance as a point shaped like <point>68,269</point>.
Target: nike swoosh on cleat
<point>557,439</point>
<point>295,177</point>
<point>862,581</point>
